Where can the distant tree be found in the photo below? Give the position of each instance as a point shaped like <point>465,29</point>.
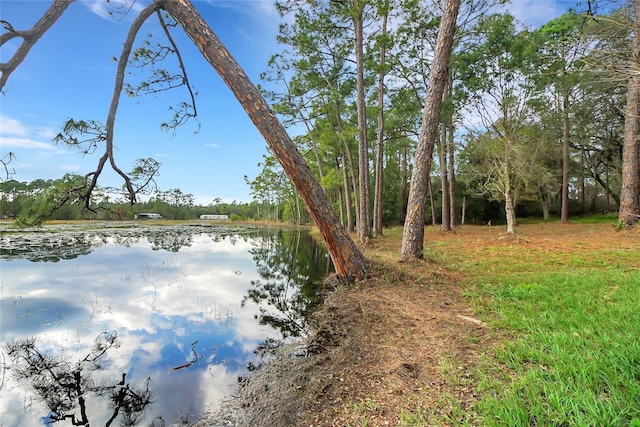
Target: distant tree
<point>560,47</point>
<point>178,202</point>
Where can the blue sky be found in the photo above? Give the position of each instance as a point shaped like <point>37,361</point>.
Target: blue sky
<point>70,74</point>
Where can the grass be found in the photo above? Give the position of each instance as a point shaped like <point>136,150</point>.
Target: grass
<point>568,323</point>
<point>563,302</point>
<point>574,353</point>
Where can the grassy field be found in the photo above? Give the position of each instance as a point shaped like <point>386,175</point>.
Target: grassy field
<point>563,302</point>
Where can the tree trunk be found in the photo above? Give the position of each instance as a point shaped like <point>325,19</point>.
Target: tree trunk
<point>432,203</point>
<point>347,194</point>
<point>509,202</point>
<point>444,179</point>
<point>377,202</point>
<point>349,168</point>
<point>451,146</point>
<point>544,202</point>
<point>413,233</point>
<point>510,211</point>
<point>583,195</point>
<point>363,226</point>
<point>629,212</point>
<point>607,190</point>
<point>464,209</point>
<point>349,261</point>
<point>564,208</point>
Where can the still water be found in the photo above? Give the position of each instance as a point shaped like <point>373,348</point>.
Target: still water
<point>144,325</point>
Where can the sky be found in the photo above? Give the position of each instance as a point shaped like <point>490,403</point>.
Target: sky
<point>70,73</point>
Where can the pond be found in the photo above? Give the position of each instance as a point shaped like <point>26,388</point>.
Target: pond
<point>144,325</point>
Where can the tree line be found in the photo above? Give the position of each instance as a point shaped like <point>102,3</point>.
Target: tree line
<point>531,119</point>
<point>510,115</point>
<point>25,202</point>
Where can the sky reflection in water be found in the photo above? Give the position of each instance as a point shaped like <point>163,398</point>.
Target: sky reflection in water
<point>160,290</point>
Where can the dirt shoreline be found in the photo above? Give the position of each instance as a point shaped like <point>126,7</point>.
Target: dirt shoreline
<point>394,349</point>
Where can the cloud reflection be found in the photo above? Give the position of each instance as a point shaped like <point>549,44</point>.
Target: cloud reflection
<point>160,293</point>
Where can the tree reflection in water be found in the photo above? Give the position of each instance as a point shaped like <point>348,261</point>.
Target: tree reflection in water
<point>65,386</point>
<point>290,265</point>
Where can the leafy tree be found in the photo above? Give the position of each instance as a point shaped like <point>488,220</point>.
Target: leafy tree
<point>498,75</point>
<point>560,47</point>
<point>176,200</point>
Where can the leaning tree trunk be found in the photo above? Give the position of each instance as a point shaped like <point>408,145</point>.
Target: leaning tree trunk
<point>413,233</point>
<point>349,261</point>
<point>630,192</point>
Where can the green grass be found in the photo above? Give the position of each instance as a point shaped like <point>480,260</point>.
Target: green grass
<point>570,352</point>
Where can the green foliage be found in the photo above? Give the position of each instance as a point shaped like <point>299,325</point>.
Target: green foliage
<point>62,192</point>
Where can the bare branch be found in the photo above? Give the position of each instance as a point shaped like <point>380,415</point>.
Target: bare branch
<point>179,56</point>
<point>115,100</point>
<point>29,37</point>
<point>8,171</point>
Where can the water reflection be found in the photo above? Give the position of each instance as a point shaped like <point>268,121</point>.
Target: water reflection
<point>64,386</point>
<point>189,306</point>
<point>284,291</point>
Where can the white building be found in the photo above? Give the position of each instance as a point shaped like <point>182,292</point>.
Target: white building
<point>214,217</point>
<point>148,216</point>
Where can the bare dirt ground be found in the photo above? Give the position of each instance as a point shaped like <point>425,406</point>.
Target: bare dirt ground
<point>403,346</point>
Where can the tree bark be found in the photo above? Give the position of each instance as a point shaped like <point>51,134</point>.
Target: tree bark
<point>347,194</point>
<point>350,170</point>
<point>377,202</point>
<point>451,148</point>
<point>432,203</point>
<point>564,208</point>
<point>363,226</point>
<point>444,179</point>
<point>413,233</point>
<point>629,212</point>
<point>349,261</point>
<point>510,211</point>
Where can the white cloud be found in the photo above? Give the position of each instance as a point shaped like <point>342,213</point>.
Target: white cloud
<point>11,126</point>
<point>17,135</point>
<point>211,145</point>
<point>28,143</point>
<point>47,133</point>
